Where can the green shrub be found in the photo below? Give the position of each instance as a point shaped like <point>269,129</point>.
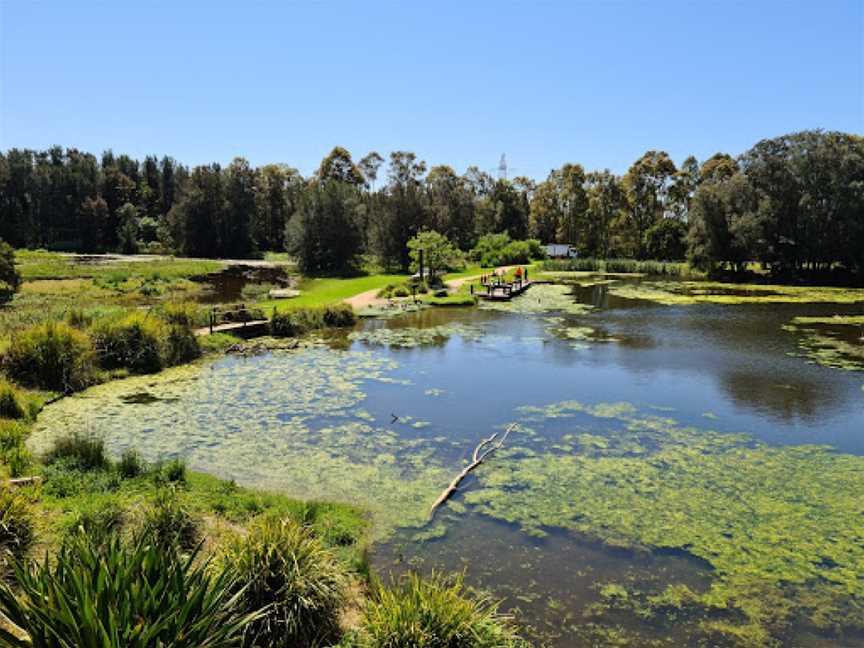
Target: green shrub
<point>16,522</point>
<point>498,249</point>
<point>175,471</point>
<point>76,451</point>
<point>168,523</point>
<point>10,277</point>
<point>298,321</point>
<point>131,464</point>
<point>433,612</point>
<point>282,566</point>
<point>401,291</point>
<point>52,356</point>
<point>339,315</point>
<point>99,521</point>
<point>180,346</point>
<point>182,313</point>
<point>10,401</point>
<point>19,461</point>
<point>132,342</point>
<point>110,595</point>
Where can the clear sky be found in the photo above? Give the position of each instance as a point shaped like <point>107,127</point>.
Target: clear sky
<point>595,82</point>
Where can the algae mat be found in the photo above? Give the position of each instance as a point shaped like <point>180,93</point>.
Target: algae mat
<point>781,528</point>
<point>673,293</point>
<point>836,342</point>
<point>297,427</point>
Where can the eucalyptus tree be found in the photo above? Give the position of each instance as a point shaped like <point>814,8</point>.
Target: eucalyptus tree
<point>647,183</point>
<point>339,166</point>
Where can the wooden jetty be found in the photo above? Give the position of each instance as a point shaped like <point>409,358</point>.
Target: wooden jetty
<point>502,291</point>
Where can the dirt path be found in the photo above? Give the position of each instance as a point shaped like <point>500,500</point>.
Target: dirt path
<point>366,299</point>
<point>371,298</point>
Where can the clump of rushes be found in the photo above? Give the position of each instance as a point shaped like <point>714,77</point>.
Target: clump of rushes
<point>302,320</point>
<point>131,342</point>
<point>182,313</point>
<point>52,356</point>
<point>11,406</point>
<point>114,595</point>
<point>281,566</point>
<point>434,611</point>
<point>16,522</point>
<point>79,452</point>
<point>131,464</point>
<point>168,523</point>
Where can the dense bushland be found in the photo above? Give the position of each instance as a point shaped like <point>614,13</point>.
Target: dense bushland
<point>498,250</point>
<point>793,203</point>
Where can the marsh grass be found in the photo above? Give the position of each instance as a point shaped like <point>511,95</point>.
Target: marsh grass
<point>629,266</point>
<point>52,356</point>
<point>169,523</point>
<point>435,611</point>
<point>78,452</point>
<point>16,522</point>
<point>281,566</point>
<point>11,405</point>
<point>295,322</point>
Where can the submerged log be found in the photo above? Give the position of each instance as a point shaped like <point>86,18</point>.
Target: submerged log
<point>477,458</point>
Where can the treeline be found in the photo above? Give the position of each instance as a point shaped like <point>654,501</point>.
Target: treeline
<point>794,203</point>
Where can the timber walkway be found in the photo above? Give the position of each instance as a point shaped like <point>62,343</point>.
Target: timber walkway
<point>235,320</point>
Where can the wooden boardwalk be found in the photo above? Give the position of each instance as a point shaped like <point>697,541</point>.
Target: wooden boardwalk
<point>235,320</point>
<point>252,327</point>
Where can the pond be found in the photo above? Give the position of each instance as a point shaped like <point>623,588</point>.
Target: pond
<point>681,473</point>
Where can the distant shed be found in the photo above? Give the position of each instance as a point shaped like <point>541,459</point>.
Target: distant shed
<point>560,251</point>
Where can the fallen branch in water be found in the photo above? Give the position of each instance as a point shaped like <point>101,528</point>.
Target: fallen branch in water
<point>479,455</point>
<point>24,481</point>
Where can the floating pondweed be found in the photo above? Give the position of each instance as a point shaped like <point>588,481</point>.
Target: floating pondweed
<point>836,342</point>
<point>780,526</point>
<point>540,298</point>
<point>289,423</point>
<point>412,336</point>
<point>673,293</point>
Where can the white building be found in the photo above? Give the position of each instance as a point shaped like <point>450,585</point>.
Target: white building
<point>560,251</point>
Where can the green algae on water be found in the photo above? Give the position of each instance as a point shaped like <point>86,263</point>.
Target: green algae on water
<point>406,337</point>
<point>836,342</point>
<point>673,293</point>
<point>291,423</point>
<point>782,528</point>
<point>540,298</point>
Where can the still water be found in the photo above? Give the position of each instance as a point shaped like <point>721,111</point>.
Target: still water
<point>663,459</point>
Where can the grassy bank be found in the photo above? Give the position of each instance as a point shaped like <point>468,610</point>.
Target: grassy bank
<point>322,291</point>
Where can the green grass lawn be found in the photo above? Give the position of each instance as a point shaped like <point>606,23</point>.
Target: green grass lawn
<point>319,292</point>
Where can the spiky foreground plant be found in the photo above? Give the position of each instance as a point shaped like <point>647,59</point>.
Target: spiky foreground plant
<point>435,612</point>
<point>284,568</point>
<point>114,595</point>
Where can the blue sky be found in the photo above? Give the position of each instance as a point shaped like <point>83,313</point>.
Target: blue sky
<point>459,83</point>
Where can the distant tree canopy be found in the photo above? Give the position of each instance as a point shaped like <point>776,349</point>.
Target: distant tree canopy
<point>794,203</point>
<point>10,279</point>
